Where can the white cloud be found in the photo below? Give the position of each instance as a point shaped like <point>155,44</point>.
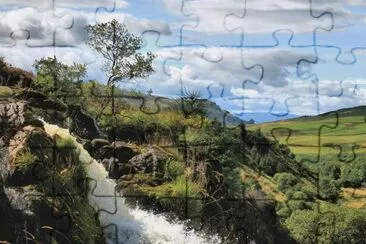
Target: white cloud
<point>277,65</point>
<point>33,28</point>
<point>266,16</point>
<point>48,4</point>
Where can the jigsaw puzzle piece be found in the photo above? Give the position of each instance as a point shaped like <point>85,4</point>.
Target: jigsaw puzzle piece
<point>334,89</point>
<point>41,33</point>
<point>188,70</point>
<point>298,17</point>
<point>280,85</point>
<point>349,43</point>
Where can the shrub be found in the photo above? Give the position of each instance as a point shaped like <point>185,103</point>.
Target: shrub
<point>11,76</point>
<point>329,189</point>
<point>65,143</point>
<point>285,181</point>
<point>283,211</point>
<point>24,159</point>
<point>354,174</point>
<point>5,91</point>
<point>173,168</point>
<point>332,225</point>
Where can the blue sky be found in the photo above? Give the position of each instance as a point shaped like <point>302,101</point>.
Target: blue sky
<point>274,57</point>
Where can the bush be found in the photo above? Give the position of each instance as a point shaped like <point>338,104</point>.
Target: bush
<point>285,181</point>
<point>354,174</point>
<point>173,169</point>
<point>334,225</point>
<point>6,91</point>
<point>11,76</point>
<point>57,79</point>
<point>283,211</point>
<point>329,189</point>
<point>24,159</point>
<point>178,195</point>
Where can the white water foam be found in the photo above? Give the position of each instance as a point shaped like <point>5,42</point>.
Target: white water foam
<point>126,225</point>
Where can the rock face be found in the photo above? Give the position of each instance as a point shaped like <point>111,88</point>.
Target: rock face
<point>151,161</point>
<point>39,105</point>
<point>40,192</point>
<point>12,76</point>
<point>115,157</point>
<point>120,158</point>
<point>82,124</point>
<point>36,142</point>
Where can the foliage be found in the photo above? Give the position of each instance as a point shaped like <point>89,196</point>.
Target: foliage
<point>191,104</point>
<point>24,159</point>
<point>329,189</point>
<point>224,146</point>
<point>119,49</point>
<point>285,181</point>
<point>67,179</point>
<point>173,169</point>
<point>12,76</point>
<point>5,91</point>
<point>331,225</point>
<point>354,174</point>
<point>179,195</point>
<point>57,79</point>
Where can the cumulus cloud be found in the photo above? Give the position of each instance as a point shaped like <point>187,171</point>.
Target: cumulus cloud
<point>38,28</point>
<point>136,25</point>
<point>223,16</point>
<point>276,65</point>
<point>67,28</point>
<point>50,4</point>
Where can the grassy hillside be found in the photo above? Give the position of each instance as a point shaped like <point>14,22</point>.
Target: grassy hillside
<point>339,132</point>
<point>155,104</point>
<point>334,140</point>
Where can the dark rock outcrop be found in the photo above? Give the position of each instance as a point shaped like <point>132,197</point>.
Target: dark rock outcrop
<point>151,161</point>
<point>38,144</point>
<point>40,100</point>
<point>82,124</point>
<point>12,76</point>
<point>115,157</point>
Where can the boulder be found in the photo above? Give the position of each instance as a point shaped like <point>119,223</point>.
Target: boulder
<point>40,100</point>
<point>118,149</point>
<point>32,141</point>
<point>99,142</point>
<point>95,148</point>
<point>151,161</point>
<point>116,169</point>
<point>82,124</point>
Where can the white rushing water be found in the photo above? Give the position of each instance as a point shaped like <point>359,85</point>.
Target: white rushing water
<point>126,225</point>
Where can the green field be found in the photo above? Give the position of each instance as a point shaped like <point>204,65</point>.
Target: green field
<point>324,135</point>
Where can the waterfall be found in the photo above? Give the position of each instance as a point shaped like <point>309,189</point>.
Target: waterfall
<point>125,224</point>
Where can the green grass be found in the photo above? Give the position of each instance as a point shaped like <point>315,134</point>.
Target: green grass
<point>24,159</point>
<point>6,91</point>
<point>308,134</point>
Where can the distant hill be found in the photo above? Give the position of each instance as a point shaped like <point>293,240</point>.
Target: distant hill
<point>263,117</point>
<point>302,134</point>
<point>214,112</point>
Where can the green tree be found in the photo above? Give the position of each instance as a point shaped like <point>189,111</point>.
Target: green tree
<point>58,79</point>
<point>329,189</point>
<point>119,49</point>
<point>331,225</point>
<point>285,181</point>
<point>354,174</point>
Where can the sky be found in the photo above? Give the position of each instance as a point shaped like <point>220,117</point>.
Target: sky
<point>266,59</point>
